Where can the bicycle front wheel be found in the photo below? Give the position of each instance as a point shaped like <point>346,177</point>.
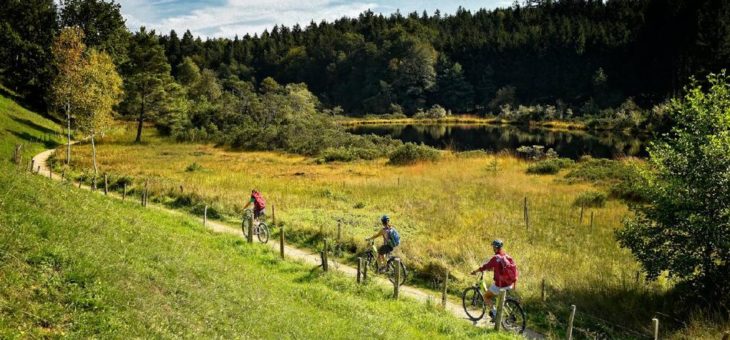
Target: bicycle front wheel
<point>513,318</point>
<point>246,222</point>
<point>473,303</point>
<point>263,233</point>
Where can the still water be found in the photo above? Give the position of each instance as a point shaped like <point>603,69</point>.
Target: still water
<point>570,144</point>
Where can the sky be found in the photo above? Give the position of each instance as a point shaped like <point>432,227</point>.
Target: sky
<point>227,18</point>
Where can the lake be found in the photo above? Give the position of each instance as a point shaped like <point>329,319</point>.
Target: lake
<point>569,144</point>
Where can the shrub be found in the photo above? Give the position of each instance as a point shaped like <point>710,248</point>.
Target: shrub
<point>436,111</point>
<point>549,166</point>
<point>593,199</point>
<point>348,154</point>
<point>194,167</point>
<point>410,153</point>
<point>472,154</point>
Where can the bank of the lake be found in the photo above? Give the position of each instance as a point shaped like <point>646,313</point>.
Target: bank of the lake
<point>508,138</point>
<point>461,120</point>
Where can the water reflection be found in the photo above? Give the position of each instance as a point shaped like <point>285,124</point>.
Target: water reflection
<point>497,138</point>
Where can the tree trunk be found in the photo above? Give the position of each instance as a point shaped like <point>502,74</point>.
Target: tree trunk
<point>93,152</point>
<point>68,133</point>
<point>140,120</point>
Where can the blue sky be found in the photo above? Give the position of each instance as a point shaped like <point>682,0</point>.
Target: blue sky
<point>226,18</point>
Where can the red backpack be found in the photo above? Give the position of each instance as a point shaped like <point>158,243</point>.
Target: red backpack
<point>258,201</point>
<point>509,273</point>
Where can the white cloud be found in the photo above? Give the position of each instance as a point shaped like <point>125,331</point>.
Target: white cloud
<point>238,17</point>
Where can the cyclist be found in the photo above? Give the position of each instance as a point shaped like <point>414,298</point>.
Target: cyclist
<point>259,205</point>
<point>505,275</point>
<point>391,239</point>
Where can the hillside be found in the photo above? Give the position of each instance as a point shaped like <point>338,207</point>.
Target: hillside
<point>76,264</point>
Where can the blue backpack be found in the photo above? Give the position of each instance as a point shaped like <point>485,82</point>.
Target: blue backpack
<point>394,237</point>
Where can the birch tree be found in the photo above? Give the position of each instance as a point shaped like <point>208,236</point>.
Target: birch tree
<point>66,91</point>
<point>102,87</point>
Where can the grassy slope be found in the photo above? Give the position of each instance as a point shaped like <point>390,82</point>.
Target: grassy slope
<point>21,126</point>
<point>76,264</point>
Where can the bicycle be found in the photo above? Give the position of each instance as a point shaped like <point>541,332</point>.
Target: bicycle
<point>513,317</point>
<point>260,229</point>
<point>371,255</point>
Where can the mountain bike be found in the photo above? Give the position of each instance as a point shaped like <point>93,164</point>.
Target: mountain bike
<point>260,229</point>
<point>513,317</point>
<point>371,255</point>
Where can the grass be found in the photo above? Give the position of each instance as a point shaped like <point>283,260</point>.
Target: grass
<point>76,264</point>
<point>21,126</point>
<point>447,213</point>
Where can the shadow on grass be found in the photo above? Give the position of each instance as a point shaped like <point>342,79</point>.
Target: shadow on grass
<point>48,144</point>
<point>33,125</point>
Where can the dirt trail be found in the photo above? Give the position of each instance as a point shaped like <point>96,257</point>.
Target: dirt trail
<point>302,255</point>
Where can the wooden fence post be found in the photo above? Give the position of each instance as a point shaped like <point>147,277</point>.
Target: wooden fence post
<point>50,173</point>
<point>325,265</point>
<point>144,194</point>
<point>500,309</point>
<point>527,215</point>
<point>542,295</point>
<point>249,237</point>
<point>81,180</point>
<point>339,230</point>
<point>63,175</point>
<point>38,169</point>
<point>580,220</point>
<point>205,216</point>
<point>106,184</point>
<point>570,322</point>
<point>124,193</point>
<point>365,271</point>
<point>655,323</point>
<point>281,240</point>
<point>396,285</point>
<point>181,189</point>
<point>32,163</point>
<point>94,182</point>
<point>273,215</point>
<point>444,289</point>
<point>16,154</point>
<point>359,270</point>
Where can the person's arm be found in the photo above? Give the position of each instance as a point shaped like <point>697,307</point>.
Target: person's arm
<point>248,203</point>
<point>489,265</point>
<point>379,233</point>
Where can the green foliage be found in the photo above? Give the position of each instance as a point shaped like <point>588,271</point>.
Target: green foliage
<point>410,153</point>
<point>549,166</point>
<point>684,230</point>
<point>590,199</point>
<point>103,25</point>
<point>193,167</point>
<point>147,75</point>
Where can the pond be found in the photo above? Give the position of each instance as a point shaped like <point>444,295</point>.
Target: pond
<point>569,144</point>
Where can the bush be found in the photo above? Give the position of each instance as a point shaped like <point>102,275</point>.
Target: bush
<point>549,166</point>
<point>472,154</point>
<point>343,154</point>
<point>592,199</point>
<point>410,153</point>
<point>194,167</point>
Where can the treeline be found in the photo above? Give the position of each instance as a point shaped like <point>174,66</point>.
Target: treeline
<point>582,55</point>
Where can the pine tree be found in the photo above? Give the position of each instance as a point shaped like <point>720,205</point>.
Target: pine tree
<point>147,75</point>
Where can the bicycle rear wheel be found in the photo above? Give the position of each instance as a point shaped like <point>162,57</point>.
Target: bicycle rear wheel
<point>263,233</point>
<point>513,317</point>
<point>391,267</point>
<point>473,303</point>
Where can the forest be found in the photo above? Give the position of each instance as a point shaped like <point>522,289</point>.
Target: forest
<point>578,57</point>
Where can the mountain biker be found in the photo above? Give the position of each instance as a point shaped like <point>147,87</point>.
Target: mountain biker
<point>259,204</point>
<point>388,242</point>
<point>497,263</point>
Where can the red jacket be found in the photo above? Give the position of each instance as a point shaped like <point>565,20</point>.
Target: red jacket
<point>496,267</point>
